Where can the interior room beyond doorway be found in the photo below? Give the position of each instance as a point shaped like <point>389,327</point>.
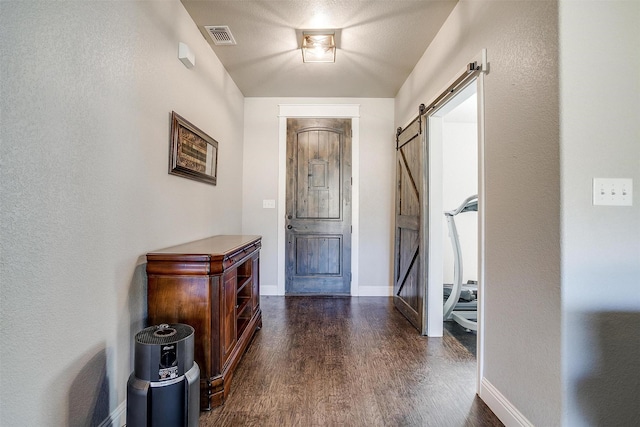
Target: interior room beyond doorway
<point>453,143</point>
<point>459,181</point>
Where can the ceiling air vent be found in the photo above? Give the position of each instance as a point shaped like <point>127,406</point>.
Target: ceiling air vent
<point>221,35</point>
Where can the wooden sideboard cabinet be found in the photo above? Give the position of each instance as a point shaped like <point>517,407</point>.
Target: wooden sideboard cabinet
<point>213,285</point>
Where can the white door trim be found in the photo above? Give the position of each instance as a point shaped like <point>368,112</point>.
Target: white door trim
<point>434,302</point>
<point>318,110</point>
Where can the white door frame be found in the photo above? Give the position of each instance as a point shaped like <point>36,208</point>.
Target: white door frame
<point>435,223</point>
<point>286,111</point>
<point>435,140</point>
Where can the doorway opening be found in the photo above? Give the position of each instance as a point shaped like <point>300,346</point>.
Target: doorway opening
<point>456,174</point>
<point>318,206</point>
<point>453,182</point>
<point>459,145</point>
<point>347,111</point>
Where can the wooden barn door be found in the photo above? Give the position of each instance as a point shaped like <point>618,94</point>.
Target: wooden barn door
<point>318,206</point>
<point>409,275</point>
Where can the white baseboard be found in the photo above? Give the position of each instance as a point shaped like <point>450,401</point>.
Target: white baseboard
<point>268,290</point>
<point>375,291</point>
<point>118,418</point>
<point>500,405</point>
<point>363,291</point>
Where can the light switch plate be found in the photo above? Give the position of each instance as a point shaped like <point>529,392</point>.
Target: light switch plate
<point>269,204</point>
<point>613,191</point>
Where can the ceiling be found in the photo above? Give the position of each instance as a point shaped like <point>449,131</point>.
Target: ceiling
<point>379,43</point>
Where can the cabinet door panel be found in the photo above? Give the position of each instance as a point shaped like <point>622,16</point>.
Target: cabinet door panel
<point>229,314</point>
<point>255,292</point>
<point>183,300</point>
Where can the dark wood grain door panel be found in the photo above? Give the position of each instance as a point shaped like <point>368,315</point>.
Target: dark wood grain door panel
<point>318,208</point>
<point>409,275</point>
<point>229,314</point>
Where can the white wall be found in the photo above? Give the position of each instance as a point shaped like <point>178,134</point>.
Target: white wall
<point>376,156</point>
<point>87,92</point>
<point>459,181</point>
<point>521,363</point>
<point>601,244</point>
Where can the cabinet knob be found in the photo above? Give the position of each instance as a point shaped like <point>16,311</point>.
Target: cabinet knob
<point>289,227</point>
<point>289,217</point>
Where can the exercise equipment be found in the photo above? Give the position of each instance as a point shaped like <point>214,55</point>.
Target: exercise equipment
<point>463,312</point>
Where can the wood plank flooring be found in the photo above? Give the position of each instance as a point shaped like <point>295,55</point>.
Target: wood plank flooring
<point>322,361</point>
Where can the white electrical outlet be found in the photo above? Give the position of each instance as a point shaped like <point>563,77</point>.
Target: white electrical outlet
<point>269,204</point>
<point>613,191</point>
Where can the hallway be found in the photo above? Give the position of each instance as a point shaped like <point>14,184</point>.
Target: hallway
<point>322,361</point>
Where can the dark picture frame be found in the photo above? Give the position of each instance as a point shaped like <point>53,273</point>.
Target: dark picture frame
<point>192,153</point>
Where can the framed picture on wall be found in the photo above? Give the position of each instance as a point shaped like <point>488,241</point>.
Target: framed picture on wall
<point>192,154</point>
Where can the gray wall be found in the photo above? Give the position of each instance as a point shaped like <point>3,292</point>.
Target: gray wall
<point>87,92</point>
<point>522,326</point>
<point>600,98</point>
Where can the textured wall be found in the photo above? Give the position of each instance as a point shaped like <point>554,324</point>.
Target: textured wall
<point>601,244</point>
<point>377,156</point>
<point>522,188</point>
<point>87,92</point>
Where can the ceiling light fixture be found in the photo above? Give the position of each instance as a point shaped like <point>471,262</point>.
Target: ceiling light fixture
<point>318,47</point>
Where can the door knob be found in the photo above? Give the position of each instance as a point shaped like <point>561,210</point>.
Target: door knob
<point>289,227</point>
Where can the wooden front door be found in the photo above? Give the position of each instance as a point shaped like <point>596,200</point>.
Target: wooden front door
<point>409,272</point>
<point>318,208</point>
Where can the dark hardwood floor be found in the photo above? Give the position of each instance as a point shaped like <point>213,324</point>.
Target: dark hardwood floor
<point>466,338</point>
<point>349,362</point>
